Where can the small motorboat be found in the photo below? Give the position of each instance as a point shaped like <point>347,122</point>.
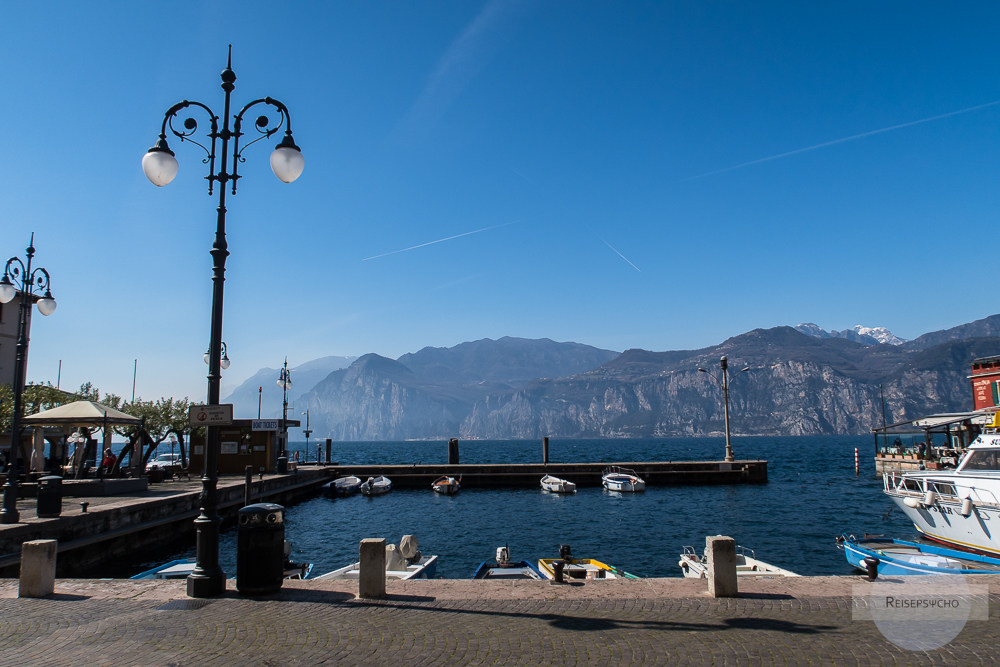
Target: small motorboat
<point>182,567</point>
<point>580,568</point>
<point>622,479</point>
<point>505,568</point>
<point>402,562</point>
<point>342,486</point>
<point>747,565</point>
<point>446,485</point>
<point>899,557</point>
<point>557,485</point>
<point>375,486</point>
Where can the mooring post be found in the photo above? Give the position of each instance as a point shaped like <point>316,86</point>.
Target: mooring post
<point>38,569</point>
<point>371,577</point>
<point>329,444</point>
<point>545,450</point>
<point>248,486</point>
<point>721,552</point>
<point>453,452</point>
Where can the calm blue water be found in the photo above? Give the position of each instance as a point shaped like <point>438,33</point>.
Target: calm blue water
<point>812,496</point>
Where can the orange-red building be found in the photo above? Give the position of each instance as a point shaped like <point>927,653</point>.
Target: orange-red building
<point>985,382</point>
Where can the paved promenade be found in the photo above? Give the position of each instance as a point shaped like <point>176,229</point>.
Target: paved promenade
<point>809,620</point>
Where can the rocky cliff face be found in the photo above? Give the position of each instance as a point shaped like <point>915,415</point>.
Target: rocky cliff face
<point>796,385</point>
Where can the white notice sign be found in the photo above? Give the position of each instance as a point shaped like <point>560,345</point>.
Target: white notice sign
<point>211,415</point>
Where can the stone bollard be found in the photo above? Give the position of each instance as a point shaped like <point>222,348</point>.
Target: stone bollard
<point>371,577</point>
<point>721,552</point>
<point>38,568</point>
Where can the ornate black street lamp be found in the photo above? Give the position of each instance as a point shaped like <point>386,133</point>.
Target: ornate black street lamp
<point>725,399</point>
<point>284,381</point>
<point>160,167</point>
<point>20,277</point>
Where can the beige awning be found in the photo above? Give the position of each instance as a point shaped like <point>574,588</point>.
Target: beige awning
<point>81,413</point>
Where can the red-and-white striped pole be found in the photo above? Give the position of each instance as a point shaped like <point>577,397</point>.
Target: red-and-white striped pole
<point>857,470</point>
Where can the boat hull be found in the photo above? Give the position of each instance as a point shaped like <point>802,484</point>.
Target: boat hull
<point>515,570</point>
<point>902,558</point>
<point>583,568</point>
<point>425,568</point>
<point>557,485</point>
<point>942,521</point>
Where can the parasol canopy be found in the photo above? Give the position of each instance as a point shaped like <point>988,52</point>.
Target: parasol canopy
<point>80,413</point>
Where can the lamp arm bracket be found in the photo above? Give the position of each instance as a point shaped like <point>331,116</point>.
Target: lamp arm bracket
<point>190,126</point>
<point>262,125</point>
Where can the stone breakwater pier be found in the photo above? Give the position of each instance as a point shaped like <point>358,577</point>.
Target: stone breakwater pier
<point>807,620</point>
<point>127,521</point>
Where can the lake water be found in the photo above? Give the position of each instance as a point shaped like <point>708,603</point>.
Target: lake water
<point>812,496</point>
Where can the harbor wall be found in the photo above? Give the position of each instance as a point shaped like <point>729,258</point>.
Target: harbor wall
<point>525,475</point>
<point>110,539</point>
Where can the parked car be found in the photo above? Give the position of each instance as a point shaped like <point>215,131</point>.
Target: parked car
<point>164,462</point>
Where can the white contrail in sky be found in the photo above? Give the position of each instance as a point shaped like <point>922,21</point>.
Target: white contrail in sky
<point>841,141</point>
<point>622,256</point>
<point>450,238</point>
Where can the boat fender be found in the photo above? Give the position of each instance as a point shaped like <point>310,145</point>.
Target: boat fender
<point>930,497</point>
<point>911,502</point>
<point>967,506</point>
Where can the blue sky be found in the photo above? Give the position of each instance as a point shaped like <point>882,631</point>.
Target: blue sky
<point>658,175</point>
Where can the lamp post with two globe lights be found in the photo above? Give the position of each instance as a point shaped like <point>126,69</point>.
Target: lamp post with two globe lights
<point>20,278</point>
<point>284,381</point>
<point>160,167</point>
<point>724,383</point>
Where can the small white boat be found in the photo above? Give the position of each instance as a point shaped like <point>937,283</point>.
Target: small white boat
<point>342,486</point>
<point>622,479</point>
<point>376,486</point>
<point>557,485</point>
<point>747,565</point>
<point>402,562</point>
<point>446,485</point>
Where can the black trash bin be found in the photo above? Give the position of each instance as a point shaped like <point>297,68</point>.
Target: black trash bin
<point>50,496</point>
<point>260,551</point>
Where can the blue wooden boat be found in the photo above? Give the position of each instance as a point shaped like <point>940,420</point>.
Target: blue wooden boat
<point>504,568</point>
<point>899,557</point>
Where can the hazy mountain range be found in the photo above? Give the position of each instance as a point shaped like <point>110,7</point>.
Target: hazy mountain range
<point>802,381</point>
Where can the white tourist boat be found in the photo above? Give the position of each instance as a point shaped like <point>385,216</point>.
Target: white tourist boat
<point>376,486</point>
<point>557,485</point>
<point>402,562</point>
<point>622,479</point>
<point>959,507</point>
<point>694,566</point>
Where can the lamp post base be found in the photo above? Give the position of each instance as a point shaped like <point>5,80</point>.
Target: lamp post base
<point>208,584</point>
<point>9,513</point>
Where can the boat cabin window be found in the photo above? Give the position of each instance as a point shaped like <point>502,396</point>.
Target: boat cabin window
<point>982,459</point>
<point>911,485</point>
<point>944,488</point>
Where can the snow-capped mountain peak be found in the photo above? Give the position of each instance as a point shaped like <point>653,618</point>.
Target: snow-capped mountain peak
<point>858,333</point>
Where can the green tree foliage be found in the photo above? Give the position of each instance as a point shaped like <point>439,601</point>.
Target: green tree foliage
<point>160,415</point>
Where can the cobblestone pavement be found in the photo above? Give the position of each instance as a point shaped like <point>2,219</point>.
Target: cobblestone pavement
<point>450,622</point>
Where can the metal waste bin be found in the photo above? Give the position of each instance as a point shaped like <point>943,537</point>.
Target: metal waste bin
<point>260,551</point>
<point>49,496</point>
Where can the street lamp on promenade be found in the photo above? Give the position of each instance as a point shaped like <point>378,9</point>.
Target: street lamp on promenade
<point>307,432</point>
<point>724,383</point>
<point>284,381</point>
<point>20,277</point>
<point>160,167</point>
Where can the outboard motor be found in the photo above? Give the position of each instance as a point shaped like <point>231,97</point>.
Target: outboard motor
<point>564,553</point>
<point>503,556</point>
